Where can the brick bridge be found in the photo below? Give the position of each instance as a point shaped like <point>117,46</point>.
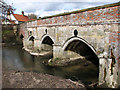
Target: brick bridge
<point>92,33</point>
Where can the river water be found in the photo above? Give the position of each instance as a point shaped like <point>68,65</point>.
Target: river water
<point>14,58</point>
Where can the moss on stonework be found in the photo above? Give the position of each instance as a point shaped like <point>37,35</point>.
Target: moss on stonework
<point>57,59</point>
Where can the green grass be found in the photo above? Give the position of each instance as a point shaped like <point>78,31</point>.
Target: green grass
<point>57,58</point>
<point>7,31</point>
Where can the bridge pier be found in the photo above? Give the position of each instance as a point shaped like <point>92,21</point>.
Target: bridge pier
<point>108,67</point>
<point>37,44</point>
<point>108,72</point>
<point>57,51</point>
<point>28,45</point>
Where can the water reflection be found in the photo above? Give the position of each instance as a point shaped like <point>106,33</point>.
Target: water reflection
<point>17,59</point>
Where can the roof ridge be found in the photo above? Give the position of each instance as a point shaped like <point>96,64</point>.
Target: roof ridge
<point>22,15</point>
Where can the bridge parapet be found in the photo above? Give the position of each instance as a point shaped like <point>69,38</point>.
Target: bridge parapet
<point>86,17</point>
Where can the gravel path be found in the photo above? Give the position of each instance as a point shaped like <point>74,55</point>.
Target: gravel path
<point>18,79</point>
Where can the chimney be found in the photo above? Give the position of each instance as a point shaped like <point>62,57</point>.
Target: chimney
<point>23,13</point>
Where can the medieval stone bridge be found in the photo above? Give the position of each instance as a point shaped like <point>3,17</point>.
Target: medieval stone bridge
<point>90,33</point>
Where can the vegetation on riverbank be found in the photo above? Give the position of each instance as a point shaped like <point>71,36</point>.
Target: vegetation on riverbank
<point>10,36</point>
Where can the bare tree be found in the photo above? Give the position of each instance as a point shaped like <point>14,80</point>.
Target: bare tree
<point>5,10</point>
<point>32,16</point>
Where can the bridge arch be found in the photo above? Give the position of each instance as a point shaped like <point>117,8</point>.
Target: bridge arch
<point>81,47</point>
<point>46,39</point>
<point>21,36</point>
<point>31,38</point>
<point>46,43</point>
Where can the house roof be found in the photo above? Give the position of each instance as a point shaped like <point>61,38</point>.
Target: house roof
<point>21,17</point>
<point>12,22</point>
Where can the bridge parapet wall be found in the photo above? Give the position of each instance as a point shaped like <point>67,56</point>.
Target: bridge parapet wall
<point>100,15</point>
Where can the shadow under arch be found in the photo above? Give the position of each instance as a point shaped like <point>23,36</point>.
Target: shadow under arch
<point>83,48</point>
<point>21,36</point>
<point>31,38</point>
<point>46,43</point>
<point>47,40</point>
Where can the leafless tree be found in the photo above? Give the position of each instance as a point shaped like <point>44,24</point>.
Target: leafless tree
<point>5,9</point>
<point>32,16</point>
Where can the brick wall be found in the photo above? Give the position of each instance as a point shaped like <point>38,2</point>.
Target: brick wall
<point>110,13</point>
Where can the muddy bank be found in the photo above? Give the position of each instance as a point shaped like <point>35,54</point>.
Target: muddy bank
<point>18,79</point>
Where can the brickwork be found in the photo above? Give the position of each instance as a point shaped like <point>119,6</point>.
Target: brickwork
<point>83,17</point>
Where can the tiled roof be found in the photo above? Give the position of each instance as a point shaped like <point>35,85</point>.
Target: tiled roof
<point>21,17</point>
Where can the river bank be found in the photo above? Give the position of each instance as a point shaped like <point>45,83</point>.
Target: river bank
<point>19,79</point>
<point>10,35</point>
<point>10,44</point>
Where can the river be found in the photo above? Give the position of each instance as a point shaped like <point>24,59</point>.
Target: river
<point>15,58</point>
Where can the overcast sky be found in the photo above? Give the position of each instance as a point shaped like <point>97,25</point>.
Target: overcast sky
<point>51,7</point>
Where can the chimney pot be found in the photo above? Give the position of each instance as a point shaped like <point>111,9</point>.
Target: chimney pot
<point>23,13</point>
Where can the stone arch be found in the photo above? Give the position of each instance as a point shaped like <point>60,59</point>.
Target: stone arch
<point>46,43</point>
<point>31,38</point>
<point>44,37</point>
<point>77,38</point>
<point>82,47</point>
<point>21,36</point>
<point>30,42</point>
